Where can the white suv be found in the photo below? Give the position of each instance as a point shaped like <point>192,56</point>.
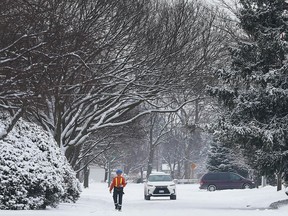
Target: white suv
<point>159,185</point>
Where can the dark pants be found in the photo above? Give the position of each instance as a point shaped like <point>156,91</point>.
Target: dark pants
<point>117,197</point>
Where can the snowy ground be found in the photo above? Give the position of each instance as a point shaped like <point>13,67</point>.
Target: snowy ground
<point>190,201</point>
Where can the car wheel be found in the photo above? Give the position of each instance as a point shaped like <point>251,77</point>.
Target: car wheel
<point>173,197</point>
<point>146,197</point>
<point>211,188</point>
<point>246,186</point>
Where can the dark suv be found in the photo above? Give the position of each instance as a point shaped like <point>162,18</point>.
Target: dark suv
<point>224,180</point>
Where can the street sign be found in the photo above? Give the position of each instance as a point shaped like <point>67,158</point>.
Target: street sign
<point>193,166</point>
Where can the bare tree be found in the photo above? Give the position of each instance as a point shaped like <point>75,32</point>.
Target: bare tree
<point>81,66</point>
<point>157,130</point>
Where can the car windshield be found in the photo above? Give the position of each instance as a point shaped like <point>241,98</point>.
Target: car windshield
<point>155,178</point>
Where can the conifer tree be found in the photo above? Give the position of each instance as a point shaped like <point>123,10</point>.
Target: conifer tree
<point>254,90</point>
<point>223,159</point>
<point>219,158</point>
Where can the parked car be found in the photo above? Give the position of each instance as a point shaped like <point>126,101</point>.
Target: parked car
<point>159,185</point>
<point>224,180</point>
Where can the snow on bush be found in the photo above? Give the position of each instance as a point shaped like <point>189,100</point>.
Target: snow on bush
<point>33,172</point>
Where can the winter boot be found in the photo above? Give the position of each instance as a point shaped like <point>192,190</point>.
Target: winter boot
<point>119,207</point>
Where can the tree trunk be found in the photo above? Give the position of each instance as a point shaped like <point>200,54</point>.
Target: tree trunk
<point>179,169</point>
<point>86,176</point>
<point>187,169</point>
<point>150,162</point>
<point>58,123</point>
<point>187,162</point>
<point>106,175</point>
<point>141,175</point>
<point>279,182</point>
<point>151,150</point>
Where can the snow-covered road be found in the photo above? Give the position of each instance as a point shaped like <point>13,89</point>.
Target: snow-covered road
<point>190,201</point>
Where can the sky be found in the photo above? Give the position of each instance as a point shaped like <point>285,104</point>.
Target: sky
<point>96,200</point>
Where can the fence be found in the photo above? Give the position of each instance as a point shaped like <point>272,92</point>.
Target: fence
<point>187,181</point>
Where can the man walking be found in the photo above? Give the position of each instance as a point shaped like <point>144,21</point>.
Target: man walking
<point>118,184</point>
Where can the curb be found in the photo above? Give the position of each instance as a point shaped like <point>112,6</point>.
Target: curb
<point>278,204</point>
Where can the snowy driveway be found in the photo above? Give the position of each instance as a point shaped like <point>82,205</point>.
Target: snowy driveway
<point>190,201</point>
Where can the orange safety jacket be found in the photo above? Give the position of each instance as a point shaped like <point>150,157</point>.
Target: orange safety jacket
<point>118,181</point>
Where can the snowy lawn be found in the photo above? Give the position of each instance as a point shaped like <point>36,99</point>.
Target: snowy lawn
<point>190,201</point>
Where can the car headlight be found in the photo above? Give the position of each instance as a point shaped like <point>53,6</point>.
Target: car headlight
<point>172,185</point>
<point>150,185</point>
